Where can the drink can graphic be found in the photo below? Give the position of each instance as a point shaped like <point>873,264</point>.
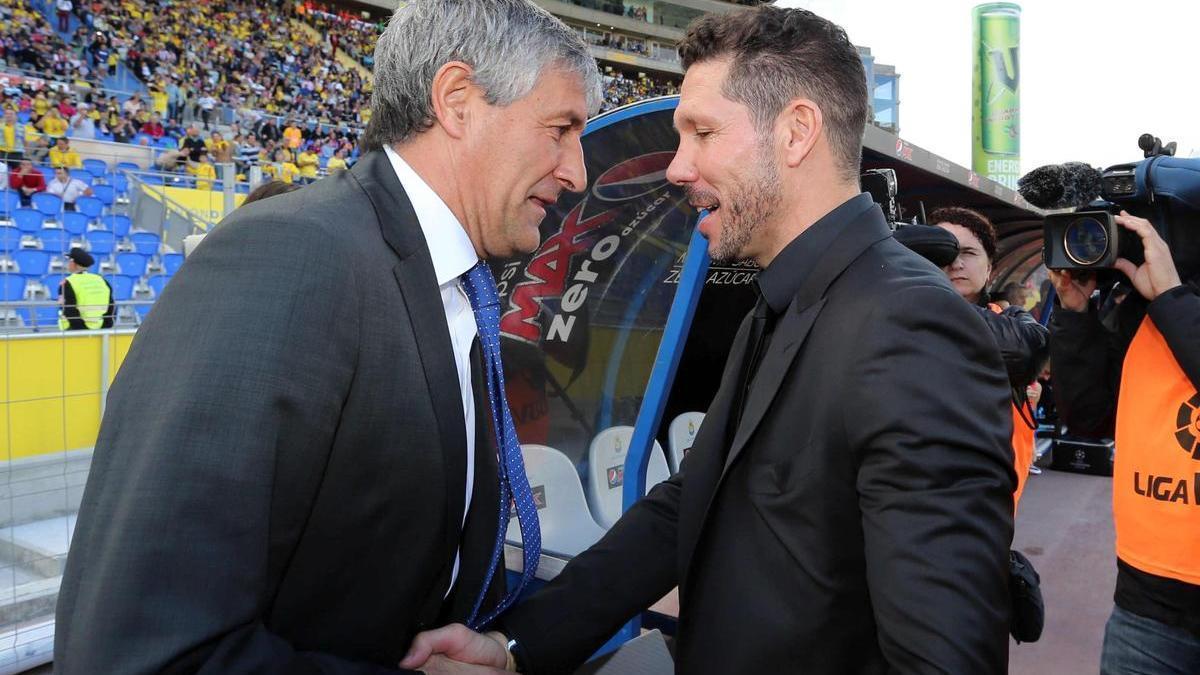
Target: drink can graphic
<point>997,67</point>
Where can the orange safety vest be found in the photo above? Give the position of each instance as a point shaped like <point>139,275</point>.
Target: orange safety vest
<point>1156,474</point>
<point>1022,441</point>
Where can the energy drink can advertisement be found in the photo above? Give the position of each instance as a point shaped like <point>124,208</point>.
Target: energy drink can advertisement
<point>996,105</point>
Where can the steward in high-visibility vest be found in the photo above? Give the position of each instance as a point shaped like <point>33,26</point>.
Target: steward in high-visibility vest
<point>86,298</point>
<point>1129,369</point>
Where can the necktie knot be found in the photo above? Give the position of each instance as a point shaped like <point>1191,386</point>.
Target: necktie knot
<point>480,286</point>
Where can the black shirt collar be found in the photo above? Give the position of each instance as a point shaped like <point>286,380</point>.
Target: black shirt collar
<point>780,281</point>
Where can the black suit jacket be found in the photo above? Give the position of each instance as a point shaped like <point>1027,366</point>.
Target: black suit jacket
<point>279,479</point>
<point>858,518</point>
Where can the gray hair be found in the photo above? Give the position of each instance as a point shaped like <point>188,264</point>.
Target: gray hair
<point>508,43</point>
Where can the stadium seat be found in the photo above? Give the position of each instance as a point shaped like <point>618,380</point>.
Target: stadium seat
<point>105,193</point>
<point>606,472</point>
<point>152,179</point>
<point>567,526</point>
<point>120,183</point>
<point>157,283</point>
<point>10,238</point>
<point>96,167</point>
<point>74,222</point>
<point>32,262</point>
<point>47,172</point>
<point>146,243</point>
<point>171,263</point>
<point>142,310</point>
<point>9,201</point>
<point>680,436</point>
<point>132,264</point>
<point>48,204</point>
<point>52,283</point>
<point>100,242</point>
<point>24,116</point>
<point>120,225</point>
<point>28,220</point>
<point>122,285</point>
<point>55,240</point>
<point>40,319</point>
<point>83,175</point>
<point>90,207</point>
<point>12,287</point>
<point>127,166</point>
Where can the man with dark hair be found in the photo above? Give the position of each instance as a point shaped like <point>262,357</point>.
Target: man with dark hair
<point>847,504</point>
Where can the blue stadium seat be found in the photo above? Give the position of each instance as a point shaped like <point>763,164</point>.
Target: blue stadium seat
<point>142,311</point>
<point>166,143</point>
<point>9,201</point>
<point>120,183</point>
<point>122,285</point>
<point>100,242</point>
<point>83,175</point>
<point>40,319</point>
<point>171,263</point>
<point>10,238</point>
<point>127,166</point>
<point>12,287</point>
<point>50,205</point>
<point>47,172</point>
<point>24,116</point>
<point>90,207</point>
<point>28,220</point>
<point>152,179</point>
<point>96,167</point>
<point>157,283</point>
<point>132,264</point>
<point>103,136</point>
<point>55,240</point>
<point>146,243</point>
<point>74,222</point>
<point>32,262</point>
<point>52,283</point>
<point>119,224</point>
<point>105,193</point>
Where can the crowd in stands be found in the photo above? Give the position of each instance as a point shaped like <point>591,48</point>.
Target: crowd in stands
<point>254,57</point>
<point>620,90</point>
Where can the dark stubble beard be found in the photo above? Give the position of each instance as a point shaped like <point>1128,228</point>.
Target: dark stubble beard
<point>747,205</point>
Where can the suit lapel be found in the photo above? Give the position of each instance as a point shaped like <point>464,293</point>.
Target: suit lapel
<point>789,336</point>
<point>426,317</point>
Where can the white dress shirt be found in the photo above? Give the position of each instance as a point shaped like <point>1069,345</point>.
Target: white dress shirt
<point>453,255</point>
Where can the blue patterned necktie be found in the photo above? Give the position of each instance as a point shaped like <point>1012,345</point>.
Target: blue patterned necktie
<point>514,484</point>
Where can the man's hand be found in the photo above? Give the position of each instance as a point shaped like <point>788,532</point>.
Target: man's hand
<point>440,665</point>
<point>456,642</point>
<point>1158,274</point>
<point>1073,289</point>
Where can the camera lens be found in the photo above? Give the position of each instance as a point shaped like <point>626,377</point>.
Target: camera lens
<point>1085,241</point>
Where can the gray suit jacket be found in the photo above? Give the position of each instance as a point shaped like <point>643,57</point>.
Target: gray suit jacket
<point>278,483</point>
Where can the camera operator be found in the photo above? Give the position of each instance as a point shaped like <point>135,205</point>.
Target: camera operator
<point>1022,340</point>
<point>1140,381</point>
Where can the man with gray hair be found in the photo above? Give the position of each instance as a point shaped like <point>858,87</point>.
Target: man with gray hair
<point>297,470</point>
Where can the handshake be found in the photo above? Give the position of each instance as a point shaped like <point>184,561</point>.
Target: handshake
<point>458,649</point>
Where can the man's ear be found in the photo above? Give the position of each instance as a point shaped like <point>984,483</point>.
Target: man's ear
<point>451,92</point>
<point>802,123</point>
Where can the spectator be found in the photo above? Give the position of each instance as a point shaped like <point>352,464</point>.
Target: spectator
<point>27,181</point>
<point>283,169</point>
<point>67,188</point>
<point>337,162</point>
<point>208,105</point>
<point>247,152</point>
<point>12,137</point>
<point>154,128</point>
<point>308,162</point>
<point>221,149</point>
<point>292,135</point>
<point>62,155</point>
<point>133,106</point>
<point>205,173</point>
<point>82,124</point>
<point>52,124</point>
<point>63,10</point>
